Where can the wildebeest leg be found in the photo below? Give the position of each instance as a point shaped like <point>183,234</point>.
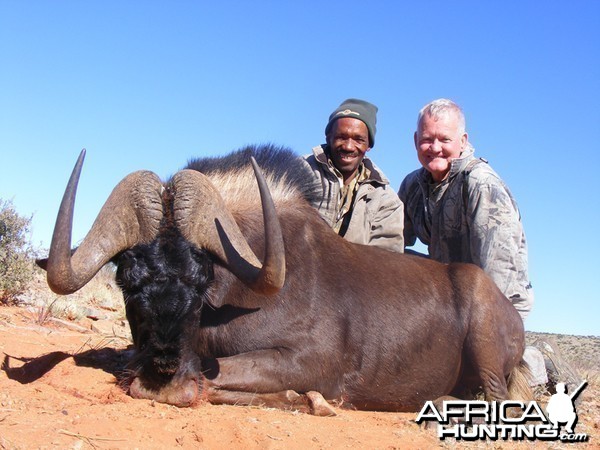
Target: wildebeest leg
<point>310,403</point>
<point>494,384</point>
<point>261,377</point>
<point>494,351</point>
<point>484,367</point>
<point>495,341</point>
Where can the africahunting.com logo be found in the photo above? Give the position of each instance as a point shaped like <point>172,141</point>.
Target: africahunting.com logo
<point>509,420</point>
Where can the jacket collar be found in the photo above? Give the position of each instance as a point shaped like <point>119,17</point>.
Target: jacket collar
<point>459,164</point>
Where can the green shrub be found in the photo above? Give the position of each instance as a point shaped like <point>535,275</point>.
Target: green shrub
<point>16,253</point>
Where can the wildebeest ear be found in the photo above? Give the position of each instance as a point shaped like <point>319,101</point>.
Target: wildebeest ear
<point>42,262</point>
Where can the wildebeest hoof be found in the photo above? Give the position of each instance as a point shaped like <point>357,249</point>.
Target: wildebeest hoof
<point>429,425</point>
<point>319,406</point>
<point>292,396</point>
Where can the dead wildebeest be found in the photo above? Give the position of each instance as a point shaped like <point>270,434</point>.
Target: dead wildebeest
<point>366,327</point>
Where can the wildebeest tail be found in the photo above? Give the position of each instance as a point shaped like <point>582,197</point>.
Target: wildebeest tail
<point>518,383</point>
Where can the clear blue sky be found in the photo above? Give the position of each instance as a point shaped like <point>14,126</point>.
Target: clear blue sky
<point>147,85</point>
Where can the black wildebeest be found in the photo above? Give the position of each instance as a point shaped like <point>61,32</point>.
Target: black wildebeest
<point>361,325</point>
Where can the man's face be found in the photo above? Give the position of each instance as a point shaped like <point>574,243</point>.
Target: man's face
<point>438,142</point>
<point>348,141</point>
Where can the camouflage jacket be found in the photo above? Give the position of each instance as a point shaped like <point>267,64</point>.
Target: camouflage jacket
<point>471,217</point>
<point>376,213</point>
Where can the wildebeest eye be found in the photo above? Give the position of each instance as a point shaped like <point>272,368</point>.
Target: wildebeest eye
<point>132,271</point>
<point>160,279</point>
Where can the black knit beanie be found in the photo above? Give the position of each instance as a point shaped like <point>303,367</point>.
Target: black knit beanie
<point>357,109</point>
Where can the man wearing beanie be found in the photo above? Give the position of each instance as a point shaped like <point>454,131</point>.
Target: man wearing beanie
<point>357,200</point>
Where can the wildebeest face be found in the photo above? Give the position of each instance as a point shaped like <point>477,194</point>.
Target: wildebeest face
<point>163,284</point>
<point>164,238</point>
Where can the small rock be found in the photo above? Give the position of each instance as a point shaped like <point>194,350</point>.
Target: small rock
<point>69,325</point>
<point>109,328</point>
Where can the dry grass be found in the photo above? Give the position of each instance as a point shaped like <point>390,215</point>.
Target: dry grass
<point>582,352</point>
<point>100,298</point>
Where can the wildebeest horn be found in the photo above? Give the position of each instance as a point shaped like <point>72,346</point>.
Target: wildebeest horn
<point>203,219</point>
<point>131,215</point>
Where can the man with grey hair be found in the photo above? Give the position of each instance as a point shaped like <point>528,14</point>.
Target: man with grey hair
<point>460,208</point>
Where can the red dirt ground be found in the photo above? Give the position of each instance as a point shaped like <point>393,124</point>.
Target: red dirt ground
<point>77,404</point>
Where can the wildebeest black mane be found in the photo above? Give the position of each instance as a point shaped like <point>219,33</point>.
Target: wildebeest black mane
<point>278,163</point>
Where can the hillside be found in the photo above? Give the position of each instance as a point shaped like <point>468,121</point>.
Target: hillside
<point>582,351</point>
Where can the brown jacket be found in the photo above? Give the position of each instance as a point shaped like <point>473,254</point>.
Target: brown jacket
<point>377,212</point>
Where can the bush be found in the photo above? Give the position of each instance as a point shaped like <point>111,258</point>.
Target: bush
<point>16,253</point>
